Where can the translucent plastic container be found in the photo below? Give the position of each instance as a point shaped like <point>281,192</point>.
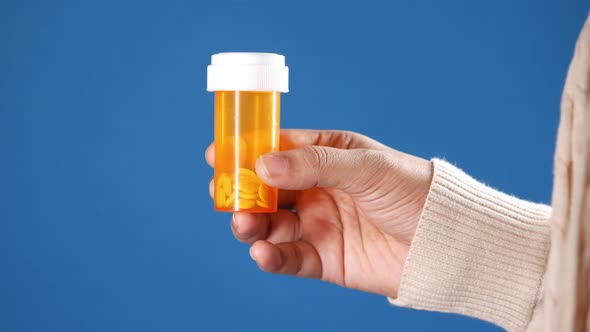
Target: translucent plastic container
<point>247,90</point>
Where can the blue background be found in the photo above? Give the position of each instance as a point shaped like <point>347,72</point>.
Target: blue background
<point>105,219</point>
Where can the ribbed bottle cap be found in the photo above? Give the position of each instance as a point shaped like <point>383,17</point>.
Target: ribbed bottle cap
<point>242,71</point>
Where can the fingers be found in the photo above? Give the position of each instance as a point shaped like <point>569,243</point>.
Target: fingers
<point>250,227</point>
<point>296,258</point>
<point>210,155</point>
<point>340,139</point>
<point>282,226</point>
<point>303,168</point>
<point>211,188</point>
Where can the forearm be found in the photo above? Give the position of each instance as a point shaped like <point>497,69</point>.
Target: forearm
<point>476,252</point>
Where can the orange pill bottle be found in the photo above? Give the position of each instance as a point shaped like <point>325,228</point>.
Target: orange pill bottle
<point>247,90</point>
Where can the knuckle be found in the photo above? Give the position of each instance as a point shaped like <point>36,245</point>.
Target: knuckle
<point>298,259</point>
<point>293,258</point>
<point>373,158</point>
<point>316,157</point>
<point>347,139</point>
<point>344,139</point>
<point>376,166</point>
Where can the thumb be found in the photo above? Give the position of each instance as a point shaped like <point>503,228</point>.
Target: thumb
<point>352,171</point>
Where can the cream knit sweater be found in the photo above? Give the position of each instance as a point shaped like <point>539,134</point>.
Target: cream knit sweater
<point>482,253</point>
<point>476,252</point>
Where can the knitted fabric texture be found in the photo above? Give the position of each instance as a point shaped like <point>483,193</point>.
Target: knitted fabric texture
<point>476,252</point>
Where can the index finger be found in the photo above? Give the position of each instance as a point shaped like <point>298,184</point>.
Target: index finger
<point>296,138</point>
<point>339,139</point>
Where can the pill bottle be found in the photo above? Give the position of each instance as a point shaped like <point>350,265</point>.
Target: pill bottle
<point>247,90</point>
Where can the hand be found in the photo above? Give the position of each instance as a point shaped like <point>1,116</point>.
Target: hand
<point>349,207</point>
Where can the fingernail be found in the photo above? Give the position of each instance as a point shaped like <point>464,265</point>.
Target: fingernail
<point>252,253</point>
<point>235,224</point>
<point>274,164</point>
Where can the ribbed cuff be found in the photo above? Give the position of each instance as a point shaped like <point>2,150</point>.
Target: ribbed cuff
<point>476,252</point>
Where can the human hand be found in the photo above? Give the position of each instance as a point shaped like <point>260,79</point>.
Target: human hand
<point>348,209</point>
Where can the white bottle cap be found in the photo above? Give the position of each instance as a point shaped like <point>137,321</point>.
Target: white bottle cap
<point>241,71</point>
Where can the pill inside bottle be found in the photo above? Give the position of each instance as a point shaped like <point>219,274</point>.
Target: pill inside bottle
<point>247,90</point>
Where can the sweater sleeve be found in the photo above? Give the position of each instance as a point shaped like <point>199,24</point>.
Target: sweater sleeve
<point>476,252</point>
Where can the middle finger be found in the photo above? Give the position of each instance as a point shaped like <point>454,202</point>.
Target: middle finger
<point>278,227</point>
